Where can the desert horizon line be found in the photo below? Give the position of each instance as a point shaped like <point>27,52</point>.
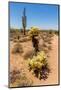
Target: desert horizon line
<point>30,27</point>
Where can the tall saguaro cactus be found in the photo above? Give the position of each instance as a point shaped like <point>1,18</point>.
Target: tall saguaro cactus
<point>24,21</point>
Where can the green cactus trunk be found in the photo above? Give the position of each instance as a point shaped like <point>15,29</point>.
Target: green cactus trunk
<point>24,22</point>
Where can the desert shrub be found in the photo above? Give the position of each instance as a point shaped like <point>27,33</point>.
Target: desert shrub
<point>16,31</point>
<point>44,45</point>
<point>45,49</point>
<point>17,49</point>
<point>29,54</point>
<point>38,64</point>
<point>49,47</point>
<point>11,39</point>
<point>50,34</point>
<point>50,31</point>
<point>24,39</point>
<point>49,42</point>
<point>56,32</point>
<point>15,40</point>
<point>13,75</point>
<point>47,39</point>
<point>19,78</point>
<point>46,34</point>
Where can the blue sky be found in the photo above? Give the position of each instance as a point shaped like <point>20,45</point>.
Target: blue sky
<point>40,15</point>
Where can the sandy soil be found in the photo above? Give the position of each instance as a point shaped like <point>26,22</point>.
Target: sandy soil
<point>18,62</point>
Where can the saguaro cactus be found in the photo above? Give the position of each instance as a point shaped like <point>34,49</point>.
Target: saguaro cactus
<point>24,21</point>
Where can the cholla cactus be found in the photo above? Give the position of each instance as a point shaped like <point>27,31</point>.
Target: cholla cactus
<point>38,61</point>
<point>38,64</point>
<point>33,31</point>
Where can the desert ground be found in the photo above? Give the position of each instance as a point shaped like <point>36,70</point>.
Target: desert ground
<point>19,61</point>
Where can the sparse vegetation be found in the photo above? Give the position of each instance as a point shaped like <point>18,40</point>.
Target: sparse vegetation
<point>18,78</point>
<point>29,54</point>
<point>17,49</point>
<point>34,59</point>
